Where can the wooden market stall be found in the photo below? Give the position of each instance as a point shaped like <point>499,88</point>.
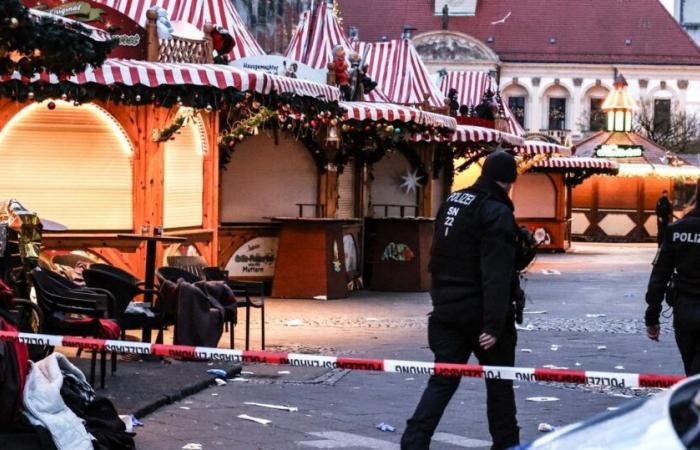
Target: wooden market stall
<point>622,208</point>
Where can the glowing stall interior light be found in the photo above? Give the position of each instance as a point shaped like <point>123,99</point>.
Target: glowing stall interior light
<point>72,164</point>
<point>184,175</point>
<point>619,121</point>
<point>628,121</point>
<point>611,120</point>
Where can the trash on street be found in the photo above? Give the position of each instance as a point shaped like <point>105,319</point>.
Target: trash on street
<point>385,427</point>
<point>542,399</point>
<point>545,428</point>
<point>254,419</point>
<point>267,405</point>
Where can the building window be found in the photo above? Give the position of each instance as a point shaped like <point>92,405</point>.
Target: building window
<point>662,115</point>
<point>596,119</point>
<point>557,113</point>
<point>517,107</point>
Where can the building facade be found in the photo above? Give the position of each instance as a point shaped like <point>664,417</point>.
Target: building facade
<point>556,61</point>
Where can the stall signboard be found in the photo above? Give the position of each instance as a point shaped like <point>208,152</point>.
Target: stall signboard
<point>279,65</point>
<point>255,258</point>
<point>619,151</point>
<point>131,36</point>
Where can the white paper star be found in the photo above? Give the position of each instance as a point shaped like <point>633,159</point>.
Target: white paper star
<point>411,181</point>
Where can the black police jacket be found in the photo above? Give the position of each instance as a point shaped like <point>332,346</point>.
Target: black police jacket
<point>679,253</point>
<point>473,257</point>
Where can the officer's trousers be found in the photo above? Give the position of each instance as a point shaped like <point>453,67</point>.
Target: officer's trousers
<point>454,343</point>
<point>686,324</point>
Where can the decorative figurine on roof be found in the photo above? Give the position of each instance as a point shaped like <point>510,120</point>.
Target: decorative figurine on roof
<point>223,43</point>
<point>360,82</point>
<point>453,102</point>
<point>163,26</point>
<point>488,108</point>
<point>291,71</point>
<point>339,67</point>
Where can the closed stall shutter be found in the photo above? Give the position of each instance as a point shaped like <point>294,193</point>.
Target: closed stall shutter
<point>535,197</point>
<point>267,180</point>
<point>72,164</point>
<point>346,192</point>
<point>184,177</point>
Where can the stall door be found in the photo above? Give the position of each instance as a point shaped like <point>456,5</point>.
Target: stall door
<point>535,197</point>
<point>346,192</point>
<point>71,164</point>
<point>267,180</point>
<point>390,193</point>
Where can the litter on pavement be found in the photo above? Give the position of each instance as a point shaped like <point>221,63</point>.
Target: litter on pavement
<point>185,407</point>
<point>385,427</point>
<point>595,316</point>
<point>554,347</point>
<point>553,367</point>
<point>283,372</point>
<point>602,347</point>
<point>550,272</point>
<point>613,408</point>
<point>528,327</point>
<point>220,382</point>
<point>254,419</point>
<point>217,373</point>
<point>534,312</point>
<point>526,350</point>
<point>192,446</point>
<point>294,323</point>
<point>542,399</point>
<point>545,428</point>
<point>620,367</point>
<point>321,297</point>
<point>267,405</point>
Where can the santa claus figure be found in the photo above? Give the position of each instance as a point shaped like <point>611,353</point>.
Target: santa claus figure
<point>340,68</point>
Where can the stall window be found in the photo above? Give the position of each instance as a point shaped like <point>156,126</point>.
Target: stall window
<point>391,195</point>
<point>184,177</point>
<point>557,113</point>
<point>662,114</point>
<point>535,197</point>
<point>71,164</point>
<point>596,120</point>
<point>265,180</point>
<point>517,106</point>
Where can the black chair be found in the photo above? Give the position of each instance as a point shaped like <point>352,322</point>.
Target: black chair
<point>248,290</point>
<point>60,304</point>
<point>125,287</point>
<point>193,264</point>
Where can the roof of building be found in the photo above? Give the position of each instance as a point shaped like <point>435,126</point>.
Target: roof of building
<point>653,153</point>
<point>559,31</point>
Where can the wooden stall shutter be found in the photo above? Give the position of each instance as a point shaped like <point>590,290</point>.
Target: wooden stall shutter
<point>72,164</point>
<point>346,192</point>
<point>184,178</point>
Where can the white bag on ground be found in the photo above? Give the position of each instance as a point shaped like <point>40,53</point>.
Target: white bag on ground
<point>43,404</point>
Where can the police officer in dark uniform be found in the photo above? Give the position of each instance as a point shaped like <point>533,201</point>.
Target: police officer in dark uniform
<point>676,276</point>
<point>473,268</point>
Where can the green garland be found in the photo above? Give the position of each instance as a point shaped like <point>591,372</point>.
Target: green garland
<point>168,132</point>
<point>45,44</point>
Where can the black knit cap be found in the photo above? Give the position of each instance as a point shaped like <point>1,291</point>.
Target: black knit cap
<point>500,166</point>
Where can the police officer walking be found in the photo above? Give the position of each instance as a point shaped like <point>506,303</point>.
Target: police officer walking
<point>473,268</point>
<point>676,276</point>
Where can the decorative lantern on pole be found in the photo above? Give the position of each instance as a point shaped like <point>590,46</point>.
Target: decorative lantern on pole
<point>619,106</point>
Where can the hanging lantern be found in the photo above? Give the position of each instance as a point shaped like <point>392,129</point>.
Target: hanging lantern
<point>333,137</point>
<point>618,106</point>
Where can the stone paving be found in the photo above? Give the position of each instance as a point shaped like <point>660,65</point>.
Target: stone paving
<point>591,297</point>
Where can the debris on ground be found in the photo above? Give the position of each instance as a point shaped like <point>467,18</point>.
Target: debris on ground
<point>577,364</point>
<point>192,446</point>
<point>221,373</point>
<point>294,323</point>
<point>220,382</point>
<point>185,407</point>
<point>254,419</point>
<point>409,379</point>
<point>525,350</point>
<point>283,372</point>
<point>321,297</point>
<point>534,312</point>
<point>542,399</point>
<point>620,367</point>
<point>385,427</point>
<point>602,347</point>
<point>553,367</point>
<point>267,405</point>
<point>554,347</point>
<point>239,380</point>
<point>545,428</point>
<point>246,372</point>
<point>613,408</point>
<point>550,272</point>
<point>595,316</point>
<point>528,327</point>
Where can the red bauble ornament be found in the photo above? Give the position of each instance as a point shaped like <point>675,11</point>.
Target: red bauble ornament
<point>313,124</point>
<point>51,106</point>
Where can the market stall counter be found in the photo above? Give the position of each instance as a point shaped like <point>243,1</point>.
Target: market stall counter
<point>311,259</point>
<point>398,252</point>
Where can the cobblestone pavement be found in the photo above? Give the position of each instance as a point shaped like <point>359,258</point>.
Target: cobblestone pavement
<point>588,303</point>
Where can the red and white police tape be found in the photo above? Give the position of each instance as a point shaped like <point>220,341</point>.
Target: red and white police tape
<point>613,379</point>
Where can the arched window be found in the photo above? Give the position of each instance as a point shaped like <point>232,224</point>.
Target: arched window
<point>265,180</point>
<point>517,97</point>
<point>557,105</point>
<point>184,176</point>
<point>71,164</point>
<point>594,99</point>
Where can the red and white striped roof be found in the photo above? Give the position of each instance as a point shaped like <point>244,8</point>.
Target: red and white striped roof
<point>197,13</point>
<point>391,112</point>
<point>316,35</point>
<point>470,133</point>
<point>578,163</point>
<point>154,74</point>
<point>400,73</point>
<point>543,148</point>
<point>471,87</point>
<point>94,33</point>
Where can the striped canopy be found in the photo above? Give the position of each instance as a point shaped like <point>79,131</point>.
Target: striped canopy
<point>197,13</point>
<point>391,112</point>
<point>577,163</point>
<point>543,148</point>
